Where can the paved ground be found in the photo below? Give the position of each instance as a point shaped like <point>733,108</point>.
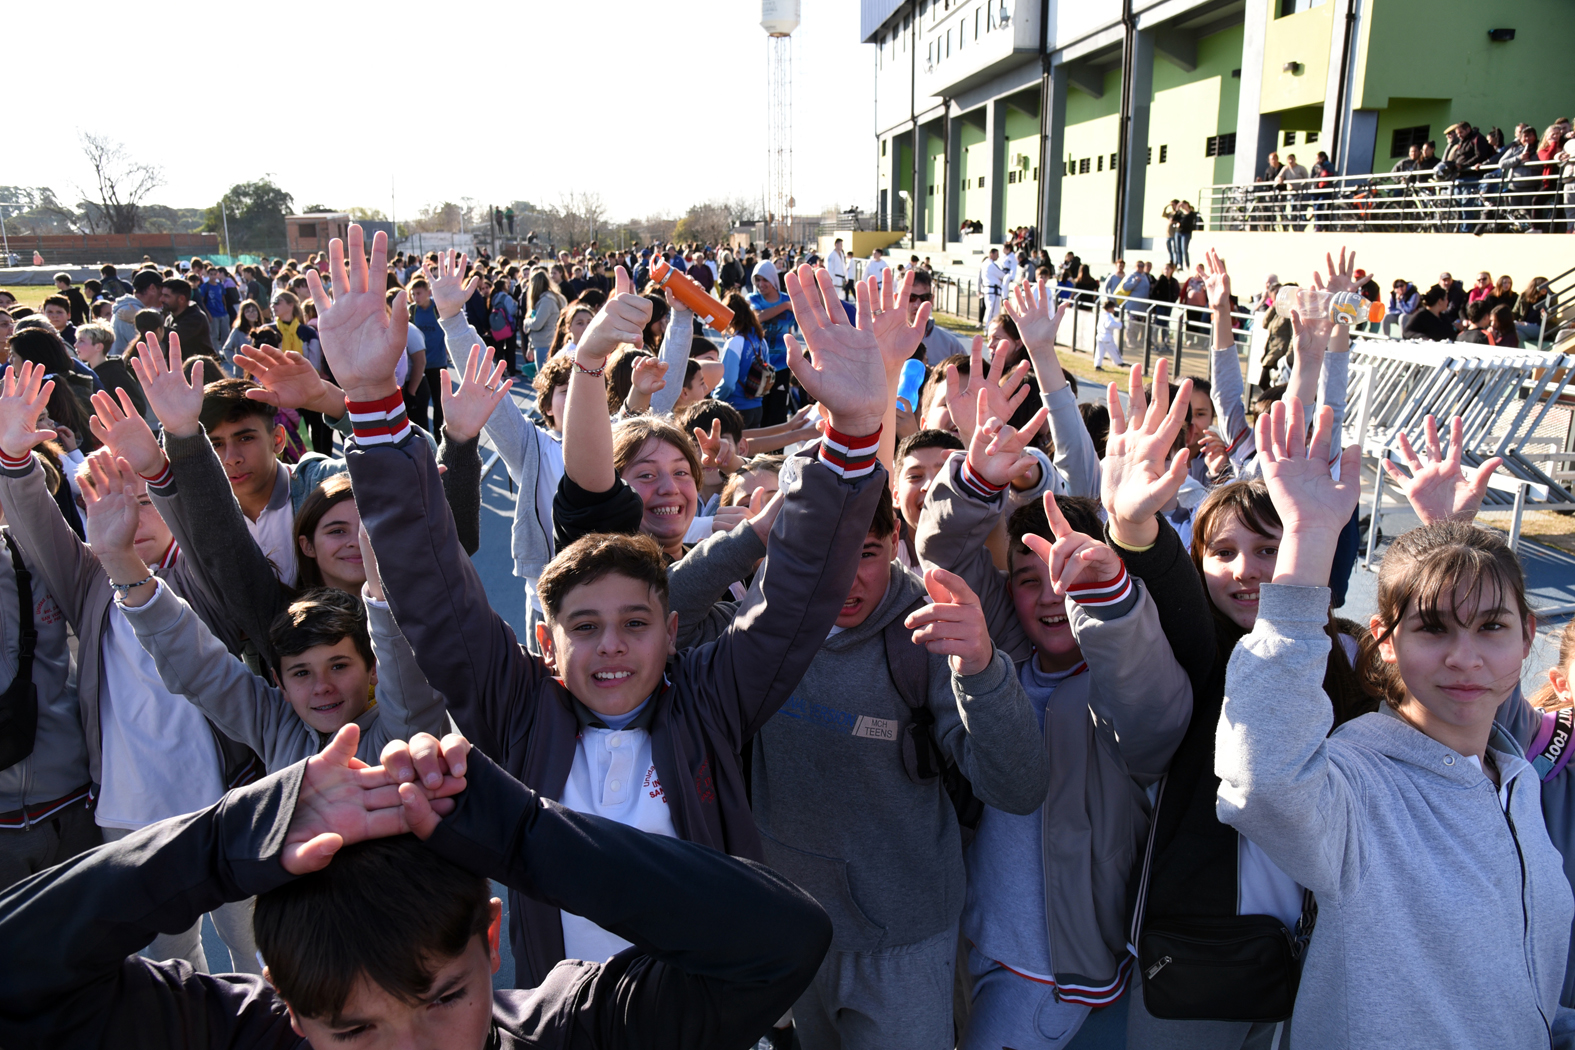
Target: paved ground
<point>1550,573</point>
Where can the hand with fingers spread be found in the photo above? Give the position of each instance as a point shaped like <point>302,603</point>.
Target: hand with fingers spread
<point>1439,489</point>
<point>288,380</point>
<point>450,290</point>
<point>428,773</point>
<point>1136,482</point>
<point>1342,277</point>
<point>952,625</point>
<point>998,452</point>
<point>481,386</point>
<point>1313,506</point>
<point>363,337</point>
<point>23,404</point>
<point>848,368</point>
<point>112,510</point>
<point>890,316</point>
<point>1072,557</point>
<point>1003,394</point>
<point>1036,314</point>
<point>176,400</point>
<point>621,320</point>
<point>120,429</point>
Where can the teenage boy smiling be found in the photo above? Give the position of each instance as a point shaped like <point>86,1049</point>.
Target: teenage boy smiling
<point>611,687</point>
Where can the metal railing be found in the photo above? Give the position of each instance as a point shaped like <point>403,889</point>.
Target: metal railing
<point>1536,196</point>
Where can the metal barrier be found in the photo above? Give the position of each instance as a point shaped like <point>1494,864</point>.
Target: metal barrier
<point>1537,195</point>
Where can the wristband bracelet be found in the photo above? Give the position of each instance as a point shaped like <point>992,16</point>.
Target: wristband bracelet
<point>124,589</point>
<point>596,373</point>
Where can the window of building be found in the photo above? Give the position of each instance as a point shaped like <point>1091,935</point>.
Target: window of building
<point>976,23</point>
<point>1310,137</point>
<point>1163,153</point>
<point>882,147</point>
<point>1150,159</point>
<point>1405,138</point>
<point>1082,168</point>
<point>981,182</point>
<point>948,43</point>
<point>1036,173</point>
<point>1290,138</point>
<point>1113,157</point>
<point>1220,145</point>
<point>307,231</point>
<point>1291,7</point>
<point>1101,163</point>
<point>1011,178</point>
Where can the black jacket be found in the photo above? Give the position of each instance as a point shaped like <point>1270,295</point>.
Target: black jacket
<point>1424,325</point>
<point>722,946</point>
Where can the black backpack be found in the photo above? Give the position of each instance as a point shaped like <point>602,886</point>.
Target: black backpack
<point>922,757</point>
<point>19,703</point>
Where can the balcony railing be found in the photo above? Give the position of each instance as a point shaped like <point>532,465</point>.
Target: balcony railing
<point>1536,197</point>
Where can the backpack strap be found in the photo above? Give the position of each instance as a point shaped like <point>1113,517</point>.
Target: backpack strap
<point>19,702</point>
<point>1550,749</point>
<point>909,667</point>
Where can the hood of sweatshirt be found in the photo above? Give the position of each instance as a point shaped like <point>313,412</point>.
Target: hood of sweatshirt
<point>1390,735</point>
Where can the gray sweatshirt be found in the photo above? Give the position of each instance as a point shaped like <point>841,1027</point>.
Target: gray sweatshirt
<point>837,812</point>
<point>1443,910</point>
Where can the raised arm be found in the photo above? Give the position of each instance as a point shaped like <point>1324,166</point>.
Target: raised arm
<point>1438,488</point>
<point>1038,319</point>
<point>406,702</point>
<point>466,409</point>
<point>587,430</point>
<point>674,355</point>
<point>1227,388</point>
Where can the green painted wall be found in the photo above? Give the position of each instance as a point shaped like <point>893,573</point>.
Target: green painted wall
<point>1022,139</point>
<point>1093,126</point>
<point>1302,38</point>
<point>1439,50</point>
<point>975,163</point>
<point>934,209</point>
<point>1189,108</point>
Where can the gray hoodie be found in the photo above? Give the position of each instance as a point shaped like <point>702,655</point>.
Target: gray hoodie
<point>838,814</point>
<point>1443,910</point>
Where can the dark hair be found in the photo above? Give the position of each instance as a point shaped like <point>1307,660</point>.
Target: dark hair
<point>58,301</point>
<point>1434,296</point>
<point>333,491</point>
<point>620,376</point>
<point>142,280</point>
<point>1448,568</point>
<point>148,321</point>
<point>732,492</point>
<point>389,910</point>
<point>702,413</point>
<point>1477,310</point>
<point>560,335</point>
<point>631,435</point>
<point>178,286</point>
<point>1081,512</point>
<point>553,374</point>
<point>930,438</point>
<point>590,558</point>
<point>240,316</point>
<point>885,522</point>
<point>745,322</point>
<point>320,616</point>
<point>225,401</point>
<point>1503,324</point>
<point>659,312</point>
<point>1096,420</point>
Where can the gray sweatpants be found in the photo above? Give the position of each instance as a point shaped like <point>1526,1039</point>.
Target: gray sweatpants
<point>893,999</point>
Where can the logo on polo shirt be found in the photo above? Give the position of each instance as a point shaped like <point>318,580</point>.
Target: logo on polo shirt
<point>875,728</point>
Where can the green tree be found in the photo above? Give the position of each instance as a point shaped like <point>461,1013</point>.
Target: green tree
<point>256,212</point>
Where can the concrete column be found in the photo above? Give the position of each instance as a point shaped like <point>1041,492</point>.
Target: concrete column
<point>1136,175</point>
<point>1256,134</point>
<point>1052,151</point>
<point>952,212</point>
<point>920,204</point>
<point>995,178</point>
<point>1361,142</point>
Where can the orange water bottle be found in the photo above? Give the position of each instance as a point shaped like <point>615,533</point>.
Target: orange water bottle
<point>687,290</point>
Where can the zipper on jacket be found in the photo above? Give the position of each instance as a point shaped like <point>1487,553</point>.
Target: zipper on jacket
<point>1525,913</point>
<point>1141,907</point>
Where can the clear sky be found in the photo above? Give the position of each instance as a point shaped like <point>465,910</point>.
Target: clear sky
<point>655,105</point>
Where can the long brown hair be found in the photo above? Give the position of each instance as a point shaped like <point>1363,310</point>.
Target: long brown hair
<point>314,508</point>
<point>745,322</point>
<point>1249,503</point>
<point>1449,568</point>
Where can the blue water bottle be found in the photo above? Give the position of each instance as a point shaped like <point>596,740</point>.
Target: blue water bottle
<point>913,374</point>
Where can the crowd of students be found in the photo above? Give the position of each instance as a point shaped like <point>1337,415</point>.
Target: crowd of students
<point>863,724</point>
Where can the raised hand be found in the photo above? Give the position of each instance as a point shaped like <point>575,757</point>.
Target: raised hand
<point>23,404</point>
<point>1036,315</point>
<point>1440,489</point>
<point>848,367</point>
<point>467,409</point>
<point>112,508</point>
<point>175,400</point>
<point>450,290</point>
<point>1313,506</point>
<point>1136,483</point>
<point>362,338</point>
<point>1071,556</point>
<point>125,433</point>
<point>428,771</point>
<point>621,320</point>
<point>889,311</point>
<point>1342,277</point>
<point>717,451</point>
<point>952,624</point>
<point>1216,282</point>
<point>649,376</point>
<point>1002,394</point>
<point>342,801</point>
<point>289,381</point>
<point>998,452</point>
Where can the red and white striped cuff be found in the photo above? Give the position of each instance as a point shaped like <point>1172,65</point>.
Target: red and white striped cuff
<point>382,422</point>
<point>13,463</point>
<point>851,457</point>
<point>161,479</point>
<point>1106,599</point>
<point>977,485</point>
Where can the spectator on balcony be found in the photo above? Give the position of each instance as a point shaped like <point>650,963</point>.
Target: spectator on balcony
<point>1429,322</point>
<point>1190,222</point>
<point>1403,302</point>
<point>1501,328</point>
<point>1321,186</point>
<point>1412,161</point>
<point>1430,158</point>
<point>1454,295</point>
<point>1478,324</point>
<point>1292,182</point>
<point>1172,215</point>
<point>1484,289</point>
<point>1524,172</point>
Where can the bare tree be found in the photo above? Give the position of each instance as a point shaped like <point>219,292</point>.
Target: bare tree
<point>123,184</point>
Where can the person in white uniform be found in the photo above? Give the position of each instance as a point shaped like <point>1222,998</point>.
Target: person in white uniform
<point>992,285</point>
<point>837,266</point>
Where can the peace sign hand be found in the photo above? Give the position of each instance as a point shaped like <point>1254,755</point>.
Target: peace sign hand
<point>1440,490</point>
<point>1071,556</point>
<point>1135,483</point>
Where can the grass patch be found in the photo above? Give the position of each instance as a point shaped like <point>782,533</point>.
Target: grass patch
<point>29,295</point>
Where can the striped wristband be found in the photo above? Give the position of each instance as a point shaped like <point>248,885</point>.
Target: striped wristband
<point>12,463</point>
<point>851,457</point>
<point>161,479</point>
<point>381,422</point>
<point>1106,599</point>
<point>977,485</point>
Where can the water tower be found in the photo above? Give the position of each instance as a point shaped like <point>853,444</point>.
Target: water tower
<point>779,18</point>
